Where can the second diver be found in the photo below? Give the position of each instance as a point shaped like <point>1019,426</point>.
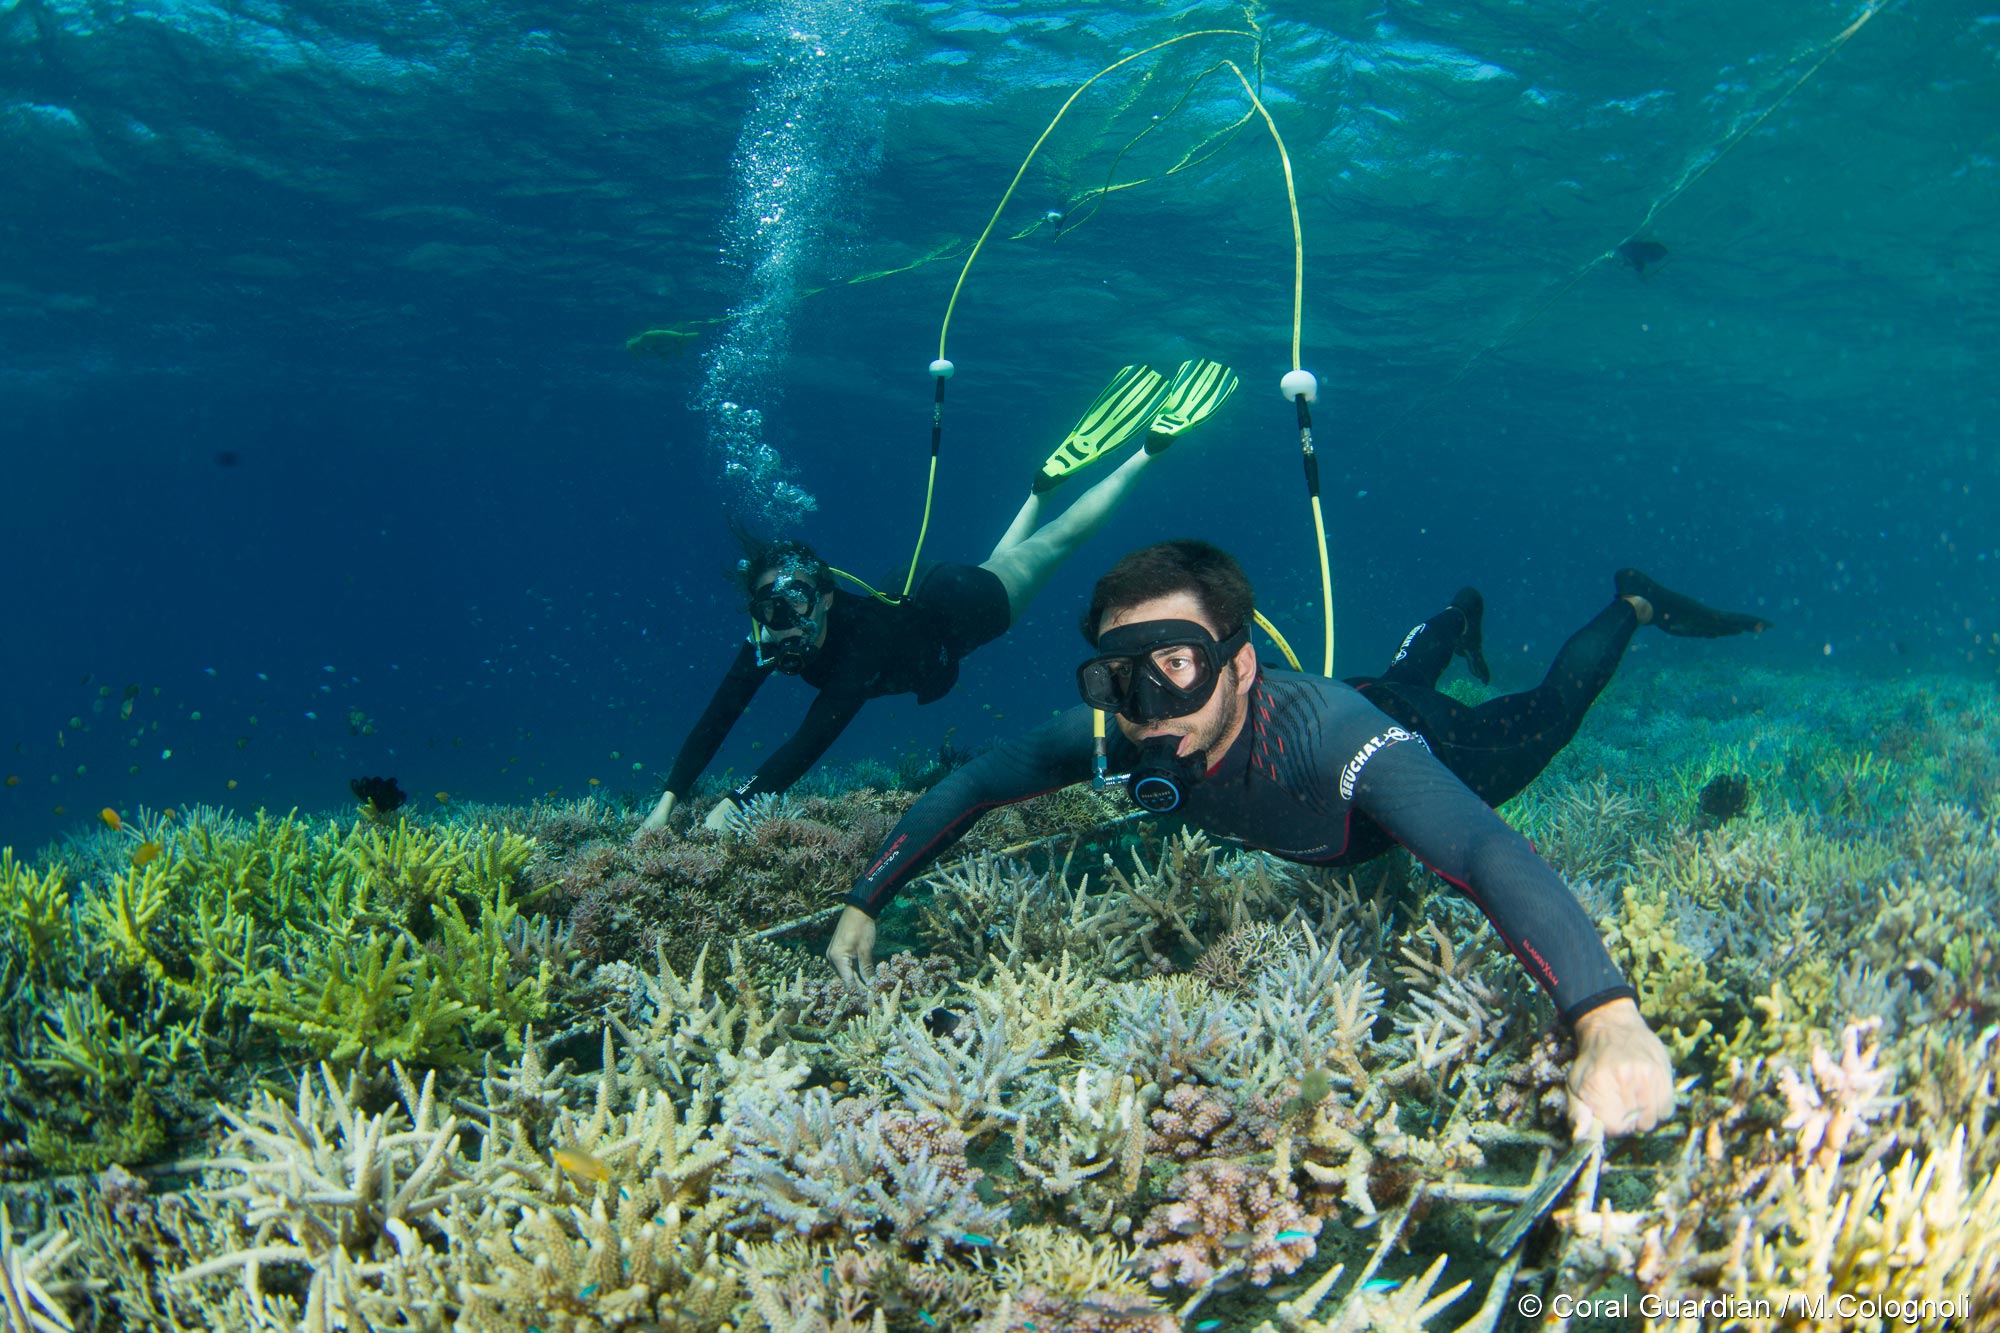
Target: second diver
<point>854,647</point>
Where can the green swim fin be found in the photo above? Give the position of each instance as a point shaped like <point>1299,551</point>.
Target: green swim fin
<point>1198,388</point>
<point>1126,404</point>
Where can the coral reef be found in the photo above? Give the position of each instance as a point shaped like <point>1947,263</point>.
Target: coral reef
<point>509,1069</point>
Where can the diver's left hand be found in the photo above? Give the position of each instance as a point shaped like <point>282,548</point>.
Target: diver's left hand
<point>1622,1077</point>
<point>852,950</point>
<point>718,818</point>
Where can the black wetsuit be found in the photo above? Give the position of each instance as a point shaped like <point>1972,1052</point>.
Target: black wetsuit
<point>872,649</point>
<point>1320,775</point>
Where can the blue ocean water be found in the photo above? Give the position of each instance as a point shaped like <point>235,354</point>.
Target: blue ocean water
<point>321,446</point>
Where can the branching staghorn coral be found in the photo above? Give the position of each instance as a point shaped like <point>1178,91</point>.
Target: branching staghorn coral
<point>1586,830</point>
<point>1166,1032</point>
<point>819,1169</point>
<point>681,1026</point>
<point>985,909</point>
<point>31,1295</point>
<point>1456,1017</point>
<point>1039,1005</point>
<point>1195,894</point>
<point>573,1269</point>
<point>35,909</point>
<point>1316,1008</point>
<point>965,1074</point>
<point>1087,1151</point>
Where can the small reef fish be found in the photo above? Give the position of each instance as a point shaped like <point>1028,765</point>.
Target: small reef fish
<point>13,779</point>
<point>580,1166</point>
<point>443,797</point>
<point>111,819</point>
<point>145,854</point>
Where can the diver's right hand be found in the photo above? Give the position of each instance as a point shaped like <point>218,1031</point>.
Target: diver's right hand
<point>852,951</point>
<point>658,819</point>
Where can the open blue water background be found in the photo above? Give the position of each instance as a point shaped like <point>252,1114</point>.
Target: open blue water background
<point>317,422</point>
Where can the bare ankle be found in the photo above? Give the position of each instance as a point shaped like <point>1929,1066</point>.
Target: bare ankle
<point>1641,608</point>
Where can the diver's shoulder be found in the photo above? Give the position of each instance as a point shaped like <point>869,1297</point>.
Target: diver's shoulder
<point>1283,681</point>
<point>1310,696</point>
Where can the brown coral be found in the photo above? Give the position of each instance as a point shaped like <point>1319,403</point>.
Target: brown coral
<point>1226,1218</point>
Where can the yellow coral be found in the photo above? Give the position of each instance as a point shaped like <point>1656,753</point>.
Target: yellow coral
<point>36,908</point>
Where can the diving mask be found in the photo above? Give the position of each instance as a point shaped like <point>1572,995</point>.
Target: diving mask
<point>786,622</point>
<point>1156,669</point>
<point>786,603</point>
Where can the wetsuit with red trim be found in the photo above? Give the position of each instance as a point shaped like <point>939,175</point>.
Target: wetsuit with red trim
<point>1318,775</point>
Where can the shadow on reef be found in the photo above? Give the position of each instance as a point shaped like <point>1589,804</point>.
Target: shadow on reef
<point>511,1070</point>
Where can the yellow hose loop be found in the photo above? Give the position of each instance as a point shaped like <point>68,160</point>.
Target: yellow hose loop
<point>1278,639</point>
<point>862,584</point>
<point>1014,184</point>
<point>1291,197</point>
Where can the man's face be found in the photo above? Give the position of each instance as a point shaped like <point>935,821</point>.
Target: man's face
<point>1215,726</point>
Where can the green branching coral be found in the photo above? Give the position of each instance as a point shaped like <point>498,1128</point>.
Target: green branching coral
<point>134,1138</point>
<point>396,999</point>
<point>237,946</point>
<point>36,908</point>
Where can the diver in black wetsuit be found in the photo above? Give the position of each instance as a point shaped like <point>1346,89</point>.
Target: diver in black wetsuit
<point>855,648</point>
<point>1312,770</point>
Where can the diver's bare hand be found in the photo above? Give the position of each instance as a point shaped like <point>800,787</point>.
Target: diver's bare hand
<point>658,819</point>
<point>852,951</point>
<point>1622,1077</point>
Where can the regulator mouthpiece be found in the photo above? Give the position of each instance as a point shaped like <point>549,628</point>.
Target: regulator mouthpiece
<point>1161,778</point>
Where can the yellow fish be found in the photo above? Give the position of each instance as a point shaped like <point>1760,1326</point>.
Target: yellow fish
<point>232,784</point>
<point>595,783</point>
<point>145,854</point>
<point>443,797</point>
<point>111,819</point>
<point>580,1166</point>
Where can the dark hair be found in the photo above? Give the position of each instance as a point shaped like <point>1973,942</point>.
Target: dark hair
<point>760,557</point>
<point>1210,573</point>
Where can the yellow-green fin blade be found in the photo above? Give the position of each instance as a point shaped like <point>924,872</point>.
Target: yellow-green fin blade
<point>1125,405</point>
<point>1198,388</point>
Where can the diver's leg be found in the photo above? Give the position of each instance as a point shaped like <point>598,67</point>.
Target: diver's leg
<point>1024,561</point>
<point>1502,745</point>
<point>1428,649</point>
<point>1677,613</point>
<point>1023,526</point>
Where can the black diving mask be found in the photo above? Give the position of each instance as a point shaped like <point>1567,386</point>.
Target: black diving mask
<point>1156,669</point>
<point>786,604</point>
<point>790,603</point>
